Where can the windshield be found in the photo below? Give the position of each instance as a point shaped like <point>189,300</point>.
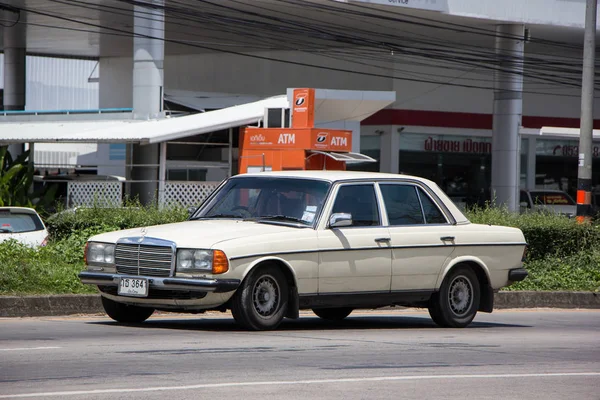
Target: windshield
<point>267,198</point>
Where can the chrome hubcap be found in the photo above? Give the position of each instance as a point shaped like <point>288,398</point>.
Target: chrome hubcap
<point>266,296</point>
<point>460,295</point>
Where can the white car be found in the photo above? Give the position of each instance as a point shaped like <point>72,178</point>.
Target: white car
<point>266,245</point>
<point>23,225</point>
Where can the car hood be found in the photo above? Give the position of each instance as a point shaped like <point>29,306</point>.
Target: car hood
<point>198,233</point>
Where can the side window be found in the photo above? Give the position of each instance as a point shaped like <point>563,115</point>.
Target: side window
<point>402,204</point>
<point>433,215</point>
<point>360,201</point>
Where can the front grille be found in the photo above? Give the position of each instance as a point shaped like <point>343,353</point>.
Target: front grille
<point>141,259</point>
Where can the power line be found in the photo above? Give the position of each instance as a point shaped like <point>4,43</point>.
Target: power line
<point>415,53</point>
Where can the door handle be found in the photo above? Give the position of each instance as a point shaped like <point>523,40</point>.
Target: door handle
<point>447,238</point>
<point>383,240</point>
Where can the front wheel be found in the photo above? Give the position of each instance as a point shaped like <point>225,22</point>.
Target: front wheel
<point>262,301</point>
<point>457,302</point>
<point>125,313</point>
<point>333,314</point>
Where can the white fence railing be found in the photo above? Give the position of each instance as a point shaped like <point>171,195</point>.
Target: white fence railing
<point>99,193</point>
<point>186,194</point>
<point>110,194</point>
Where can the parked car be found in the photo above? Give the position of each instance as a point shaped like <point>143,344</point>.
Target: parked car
<point>266,245</point>
<point>555,201</point>
<point>23,225</point>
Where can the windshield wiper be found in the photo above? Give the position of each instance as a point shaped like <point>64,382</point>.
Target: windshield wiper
<point>282,218</point>
<point>218,216</point>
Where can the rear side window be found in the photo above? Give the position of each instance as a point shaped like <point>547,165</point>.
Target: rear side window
<point>433,215</point>
<point>402,204</point>
<point>19,222</point>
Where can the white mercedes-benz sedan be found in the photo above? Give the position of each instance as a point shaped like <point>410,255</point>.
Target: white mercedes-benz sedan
<point>267,245</point>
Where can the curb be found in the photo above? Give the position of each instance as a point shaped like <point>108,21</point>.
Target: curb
<point>56,305</point>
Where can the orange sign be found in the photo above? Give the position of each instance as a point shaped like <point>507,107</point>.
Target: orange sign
<point>303,109</point>
<point>304,139</point>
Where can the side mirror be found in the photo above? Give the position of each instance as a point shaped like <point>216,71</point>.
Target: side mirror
<point>191,211</point>
<point>339,220</point>
<point>524,204</point>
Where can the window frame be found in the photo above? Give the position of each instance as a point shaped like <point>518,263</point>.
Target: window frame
<point>378,203</point>
<point>416,186</point>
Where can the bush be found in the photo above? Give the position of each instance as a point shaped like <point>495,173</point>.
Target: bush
<point>69,222</point>
<point>24,270</point>
<point>562,254</point>
<point>546,234</point>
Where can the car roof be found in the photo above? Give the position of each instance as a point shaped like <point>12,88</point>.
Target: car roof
<point>24,210</point>
<point>332,176</point>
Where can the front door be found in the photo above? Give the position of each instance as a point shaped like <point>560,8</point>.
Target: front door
<point>355,258</point>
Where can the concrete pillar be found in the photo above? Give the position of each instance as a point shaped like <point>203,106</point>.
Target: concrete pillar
<point>390,151</point>
<point>508,109</point>
<point>148,60</point>
<point>15,49</point>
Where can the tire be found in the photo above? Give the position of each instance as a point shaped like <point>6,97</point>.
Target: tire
<point>333,314</point>
<point>124,313</point>
<point>457,302</point>
<point>262,300</point>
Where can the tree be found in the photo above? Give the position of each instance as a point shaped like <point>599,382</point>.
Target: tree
<point>16,181</point>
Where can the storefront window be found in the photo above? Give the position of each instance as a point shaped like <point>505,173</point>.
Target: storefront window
<point>460,165</point>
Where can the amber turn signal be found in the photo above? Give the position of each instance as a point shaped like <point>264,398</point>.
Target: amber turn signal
<point>220,264</point>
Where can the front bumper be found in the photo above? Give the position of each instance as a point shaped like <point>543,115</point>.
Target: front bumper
<point>175,284</point>
<point>517,274</point>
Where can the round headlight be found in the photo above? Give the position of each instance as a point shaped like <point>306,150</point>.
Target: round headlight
<point>185,259</point>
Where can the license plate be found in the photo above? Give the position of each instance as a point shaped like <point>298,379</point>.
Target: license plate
<point>136,287</point>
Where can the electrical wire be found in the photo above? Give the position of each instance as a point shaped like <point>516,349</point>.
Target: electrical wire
<point>549,74</point>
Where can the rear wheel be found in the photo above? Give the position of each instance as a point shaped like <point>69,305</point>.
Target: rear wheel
<point>457,302</point>
<point>125,313</point>
<point>262,301</point>
<point>333,314</point>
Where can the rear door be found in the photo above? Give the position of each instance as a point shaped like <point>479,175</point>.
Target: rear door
<point>422,237</point>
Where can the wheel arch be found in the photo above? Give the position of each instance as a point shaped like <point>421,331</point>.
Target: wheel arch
<point>483,276</point>
<point>290,276</point>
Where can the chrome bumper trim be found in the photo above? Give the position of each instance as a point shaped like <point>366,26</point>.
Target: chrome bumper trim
<point>197,285</point>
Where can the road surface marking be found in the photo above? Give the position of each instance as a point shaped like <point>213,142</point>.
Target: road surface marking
<point>299,382</point>
<point>30,348</point>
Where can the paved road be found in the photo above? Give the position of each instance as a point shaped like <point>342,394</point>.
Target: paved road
<point>533,354</point>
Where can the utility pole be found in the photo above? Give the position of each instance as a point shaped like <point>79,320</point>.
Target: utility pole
<point>584,172</point>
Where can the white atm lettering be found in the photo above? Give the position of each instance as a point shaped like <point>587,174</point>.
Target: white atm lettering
<point>287,138</point>
<point>339,141</point>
